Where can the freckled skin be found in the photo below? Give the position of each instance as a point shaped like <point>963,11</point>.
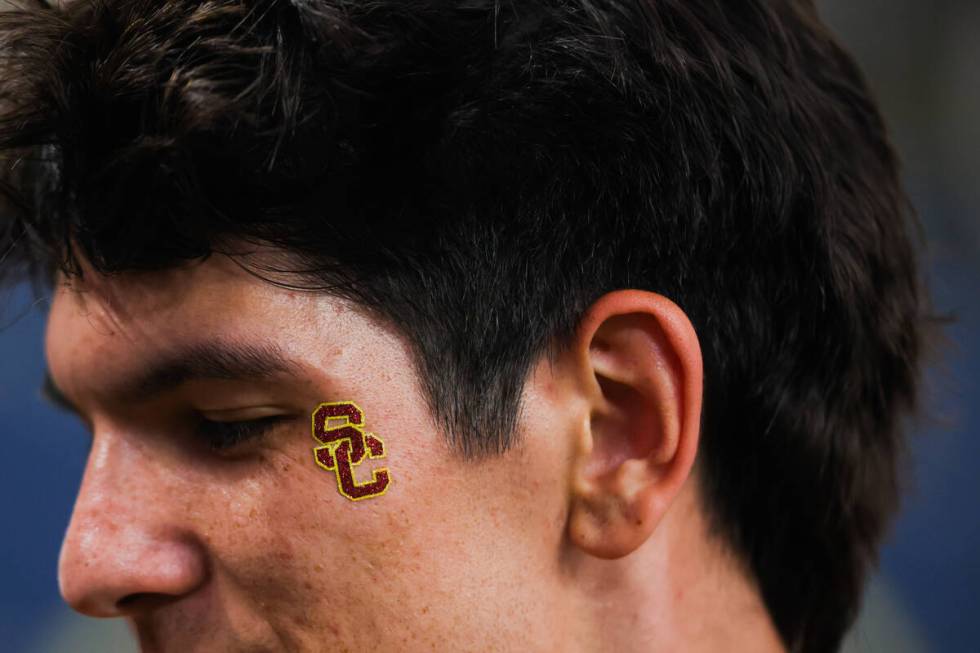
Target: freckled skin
<point>259,551</point>
<point>585,537</point>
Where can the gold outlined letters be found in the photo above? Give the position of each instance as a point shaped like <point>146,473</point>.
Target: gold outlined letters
<point>343,445</point>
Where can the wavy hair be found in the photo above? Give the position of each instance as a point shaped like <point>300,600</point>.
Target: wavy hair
<point>478,172</point>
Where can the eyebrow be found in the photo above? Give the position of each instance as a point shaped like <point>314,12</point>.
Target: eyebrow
<point>212,360</point>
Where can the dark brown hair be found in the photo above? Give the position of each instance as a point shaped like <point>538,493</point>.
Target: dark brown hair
<point>478,172</point>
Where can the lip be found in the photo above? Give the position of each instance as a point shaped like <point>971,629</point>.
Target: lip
<point>182,628</point>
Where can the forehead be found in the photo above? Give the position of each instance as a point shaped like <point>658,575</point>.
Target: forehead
<point>140,308</point>
<point>164,300</point>
<point>100,326</point>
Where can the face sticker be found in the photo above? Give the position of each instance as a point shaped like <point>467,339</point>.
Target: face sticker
<point>343,445</point>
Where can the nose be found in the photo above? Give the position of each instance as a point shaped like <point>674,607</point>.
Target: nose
<point>125,551</point>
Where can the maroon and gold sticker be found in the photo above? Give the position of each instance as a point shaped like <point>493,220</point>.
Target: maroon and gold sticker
<point>338,427</point>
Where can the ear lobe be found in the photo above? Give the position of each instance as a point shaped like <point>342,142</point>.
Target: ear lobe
<point>644,357</point>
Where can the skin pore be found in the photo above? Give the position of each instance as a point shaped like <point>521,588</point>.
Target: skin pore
<point>586,536</point>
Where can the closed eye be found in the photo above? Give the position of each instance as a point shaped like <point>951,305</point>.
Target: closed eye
<point>220,436</point>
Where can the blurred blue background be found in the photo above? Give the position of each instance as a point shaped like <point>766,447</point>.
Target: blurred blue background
<point>922,60</point>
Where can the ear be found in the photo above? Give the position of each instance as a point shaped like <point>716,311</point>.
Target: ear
<point>641,363</point>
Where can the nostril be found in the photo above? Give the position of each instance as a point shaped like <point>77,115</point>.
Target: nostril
<point>130,600</point>
<point>142,602</point>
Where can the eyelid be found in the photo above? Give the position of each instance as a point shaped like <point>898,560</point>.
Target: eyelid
<point>52,395</point>
<point>243,414</point>
<point>227,436</point>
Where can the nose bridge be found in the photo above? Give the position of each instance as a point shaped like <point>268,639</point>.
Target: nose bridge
<point>110,485</point>
<point>120,542</point>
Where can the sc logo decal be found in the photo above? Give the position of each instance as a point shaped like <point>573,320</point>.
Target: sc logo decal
<point>343,444</point>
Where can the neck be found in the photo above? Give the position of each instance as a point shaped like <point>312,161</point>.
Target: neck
<point>680,591</point>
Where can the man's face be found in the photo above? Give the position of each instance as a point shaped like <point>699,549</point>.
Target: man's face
<point>225,537</point>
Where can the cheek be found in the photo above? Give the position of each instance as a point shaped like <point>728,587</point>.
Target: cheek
<point>309,560</point>
<point>408,568</point>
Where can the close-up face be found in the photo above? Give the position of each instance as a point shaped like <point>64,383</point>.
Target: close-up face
<point>591,327</point>
<point>204,517</point>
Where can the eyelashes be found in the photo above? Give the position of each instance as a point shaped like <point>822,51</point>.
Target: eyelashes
<point>214,434</point>
<point>220,436</point>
